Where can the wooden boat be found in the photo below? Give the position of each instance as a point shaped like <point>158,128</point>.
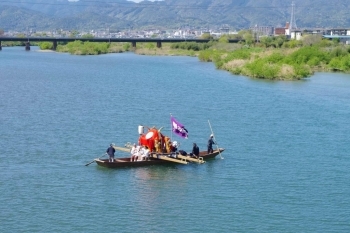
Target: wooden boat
<point>159,148</point>
<point>158,159</point>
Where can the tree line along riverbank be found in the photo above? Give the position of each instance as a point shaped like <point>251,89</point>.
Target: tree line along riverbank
<point>274,58</point>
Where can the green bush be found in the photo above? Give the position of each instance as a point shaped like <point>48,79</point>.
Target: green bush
<point>243,53</point>
<point>223,39</point>
<point>45,45</point>
<point>325,43</point>
<point>206,55</point>
<point>339,52</point>
<point>191,46</point>
<point>314,61</point>
<point>266,41</point>
<point>340,63</point>
<point>306,54</point>
<point>260,68</point>
<point>87,48</point>
<point>150,46</point>
<point>292,44</point>
<point>275,58</point>
<point>302,71</point>
<point>126,46</point>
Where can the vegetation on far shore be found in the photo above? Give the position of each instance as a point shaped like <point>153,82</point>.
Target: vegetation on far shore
<point>274,58</point>
<point>279,59</point>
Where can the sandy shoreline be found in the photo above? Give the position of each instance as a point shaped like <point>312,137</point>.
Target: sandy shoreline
<point>46,51</point>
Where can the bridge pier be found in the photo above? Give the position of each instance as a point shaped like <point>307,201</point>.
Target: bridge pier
<point>159,44</point>
<point>27,46</point>
<point>0,46</point>
<point>54,45</point>
<point>133,44</point>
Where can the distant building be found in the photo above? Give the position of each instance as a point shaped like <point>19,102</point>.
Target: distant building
<point>338,32</point>
<point>296,35</point>
<point>342,34</point>
<point>225,29</point>
<point>315,31</point>
<point>262,30</point>
<point>282,31</point>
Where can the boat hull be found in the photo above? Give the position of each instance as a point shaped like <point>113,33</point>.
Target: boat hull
<point>125,162</point>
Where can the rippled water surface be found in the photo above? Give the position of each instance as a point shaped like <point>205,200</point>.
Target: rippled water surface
<point>285,167</point>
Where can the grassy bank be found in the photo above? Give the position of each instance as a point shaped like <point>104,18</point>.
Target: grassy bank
<point>271,58</point>
<point>92,48</point>
<point>282,59</point>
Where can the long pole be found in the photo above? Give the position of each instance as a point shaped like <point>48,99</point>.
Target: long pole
<point>171,128</point>
<point>94,160</point>
<point>215,140</point>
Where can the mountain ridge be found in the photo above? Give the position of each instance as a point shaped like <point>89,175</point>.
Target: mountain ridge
<point>121,14</point>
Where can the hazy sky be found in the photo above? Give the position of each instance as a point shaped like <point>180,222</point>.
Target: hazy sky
<point>141,0</point>
<point>127,0</point>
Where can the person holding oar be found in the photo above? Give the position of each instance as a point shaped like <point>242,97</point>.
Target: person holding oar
<point>210,143</point>
<point>110,151</point>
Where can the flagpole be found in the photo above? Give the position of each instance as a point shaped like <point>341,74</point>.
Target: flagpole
<point>215,139</point>
<point>171,128</point>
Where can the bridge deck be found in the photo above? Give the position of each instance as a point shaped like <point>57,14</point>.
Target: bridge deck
<point>52,39</point>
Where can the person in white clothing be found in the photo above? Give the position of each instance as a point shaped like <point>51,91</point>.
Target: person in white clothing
<point>133,153</point>
<point>146,152</point>
<point>139,152</point>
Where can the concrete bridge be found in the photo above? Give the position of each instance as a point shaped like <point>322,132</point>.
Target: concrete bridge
<point>133,41</point>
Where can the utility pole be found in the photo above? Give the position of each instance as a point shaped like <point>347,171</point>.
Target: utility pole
<point>109,35</point>
<point>293,24</point>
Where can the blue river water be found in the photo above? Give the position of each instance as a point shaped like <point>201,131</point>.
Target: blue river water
<point>285,167</point>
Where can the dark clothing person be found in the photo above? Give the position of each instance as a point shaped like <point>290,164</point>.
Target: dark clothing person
<point>210,144</point>
<point>173,149</point>
<point>182,152</point>
<point>195,150</point>
<point>110,151</point>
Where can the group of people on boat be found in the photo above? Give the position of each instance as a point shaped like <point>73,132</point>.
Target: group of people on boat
<point>142,153</point>
<point>139,153</point>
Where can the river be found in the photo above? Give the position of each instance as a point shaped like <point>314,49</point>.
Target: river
<point>286,160</point>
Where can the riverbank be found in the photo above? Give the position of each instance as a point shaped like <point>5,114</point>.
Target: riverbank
<point>284,63</point>
<point>274,60</point>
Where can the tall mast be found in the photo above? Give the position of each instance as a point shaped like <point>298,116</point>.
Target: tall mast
<point>293,24</point>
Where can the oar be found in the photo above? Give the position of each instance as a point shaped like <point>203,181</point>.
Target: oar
<point>94,160</point>
<point>215,140</point>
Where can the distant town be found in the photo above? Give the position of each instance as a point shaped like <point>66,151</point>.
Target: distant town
<point>258,31</point>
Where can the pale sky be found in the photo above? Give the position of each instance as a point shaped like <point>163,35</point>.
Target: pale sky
<point>143,0</point>
<point>127,0</point>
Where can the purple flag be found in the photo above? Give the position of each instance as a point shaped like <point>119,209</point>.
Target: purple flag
<point>178,128</point>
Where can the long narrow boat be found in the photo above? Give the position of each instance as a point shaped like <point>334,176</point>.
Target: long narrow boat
<point>165,159</point>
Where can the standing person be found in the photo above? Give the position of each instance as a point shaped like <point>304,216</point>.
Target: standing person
<point>110,151</point>
<point>133,153</point>
<point>195,151</point>
<point>210,144</point>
